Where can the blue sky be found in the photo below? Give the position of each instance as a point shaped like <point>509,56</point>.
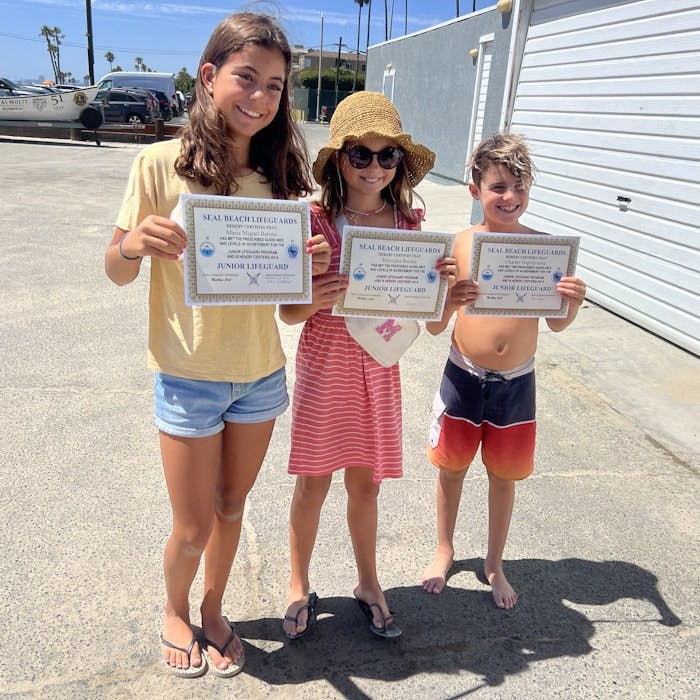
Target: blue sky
<point>170,35</point>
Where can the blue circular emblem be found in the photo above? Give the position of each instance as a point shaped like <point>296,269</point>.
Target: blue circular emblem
<point>207,249</point>
<point>556,276</point>
<point>292,250</point>
<point>431,275</point>
<point>487,274</point>
<point>359,273</point>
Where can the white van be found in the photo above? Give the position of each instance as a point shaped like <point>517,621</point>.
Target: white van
<point>165,82</point>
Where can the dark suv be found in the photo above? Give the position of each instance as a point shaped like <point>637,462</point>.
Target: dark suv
<point>166,111</point>
<point>127,105</point>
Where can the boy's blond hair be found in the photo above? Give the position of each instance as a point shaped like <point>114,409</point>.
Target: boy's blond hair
<point>509,150</point>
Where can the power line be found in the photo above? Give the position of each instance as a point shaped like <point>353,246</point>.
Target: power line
<point>144,52</point>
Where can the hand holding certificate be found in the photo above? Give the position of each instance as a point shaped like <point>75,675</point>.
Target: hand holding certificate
<point>245,250</point>
<point>391,273</point>
<point>518,273</point>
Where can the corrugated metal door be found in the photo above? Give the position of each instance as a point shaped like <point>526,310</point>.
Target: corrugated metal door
<point>609,98</point>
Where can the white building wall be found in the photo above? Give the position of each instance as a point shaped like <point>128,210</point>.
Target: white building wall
<point>608,96</point>
<point>483,75</point>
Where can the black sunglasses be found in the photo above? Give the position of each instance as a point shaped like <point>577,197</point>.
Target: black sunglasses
<point>360,157</point>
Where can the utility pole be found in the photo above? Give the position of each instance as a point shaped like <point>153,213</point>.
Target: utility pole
<point>91,55</point>
<point>337,69</point>
<point>320,62</point>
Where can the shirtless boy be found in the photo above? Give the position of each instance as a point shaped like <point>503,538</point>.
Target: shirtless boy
<point>487,392</point>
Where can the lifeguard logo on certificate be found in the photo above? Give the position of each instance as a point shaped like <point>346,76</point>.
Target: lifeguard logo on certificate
<point>243,250</point>
<point>518,273</point>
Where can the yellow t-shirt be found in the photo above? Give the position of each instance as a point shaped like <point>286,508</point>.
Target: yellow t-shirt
<point>218,343</point>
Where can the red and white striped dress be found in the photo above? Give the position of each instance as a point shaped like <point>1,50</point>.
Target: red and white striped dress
<point>346,410</point>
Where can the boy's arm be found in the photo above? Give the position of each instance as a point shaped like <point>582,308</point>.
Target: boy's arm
<point>326,290</point>
<point>462,293</point>
<point>460,290</point>
<point>573,289</point>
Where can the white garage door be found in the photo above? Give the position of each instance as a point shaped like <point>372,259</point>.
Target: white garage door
<point>609,98</point>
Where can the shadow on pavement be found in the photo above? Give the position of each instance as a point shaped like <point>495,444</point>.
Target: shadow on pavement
<point>459,630</point>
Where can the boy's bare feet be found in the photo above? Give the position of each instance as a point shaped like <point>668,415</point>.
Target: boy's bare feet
<point>435,576</point>
<point>179,633</point>
<point>504,594</point>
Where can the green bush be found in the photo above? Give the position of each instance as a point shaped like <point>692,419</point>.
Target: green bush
<point>308,78</point>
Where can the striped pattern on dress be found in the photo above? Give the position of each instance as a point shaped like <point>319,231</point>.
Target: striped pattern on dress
<point>346,409</point>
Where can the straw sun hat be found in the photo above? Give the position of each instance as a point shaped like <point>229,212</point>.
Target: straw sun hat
<point>371,114</point>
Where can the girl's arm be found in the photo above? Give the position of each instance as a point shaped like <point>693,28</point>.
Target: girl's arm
<point>156,236</point>
<point>325,292</point>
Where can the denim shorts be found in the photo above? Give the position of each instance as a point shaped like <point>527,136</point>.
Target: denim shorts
<point>197,408</point>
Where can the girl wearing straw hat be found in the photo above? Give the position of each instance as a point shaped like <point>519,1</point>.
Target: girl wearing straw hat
<point>347,405</point>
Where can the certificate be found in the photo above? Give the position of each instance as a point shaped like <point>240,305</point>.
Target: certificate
<point>243,250</point>
<point>518,273</point>
<point>391,273</point>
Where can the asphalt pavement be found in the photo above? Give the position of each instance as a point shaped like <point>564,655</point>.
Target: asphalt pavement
<point>603,546</point>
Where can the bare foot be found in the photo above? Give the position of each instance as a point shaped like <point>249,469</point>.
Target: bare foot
<point>296,619</point>
<point>503,593</point>
<point>179,633</point>
<point>435,576</point>
<point>218,630</point>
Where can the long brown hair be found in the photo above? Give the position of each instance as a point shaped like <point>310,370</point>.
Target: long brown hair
<point>277,151</point>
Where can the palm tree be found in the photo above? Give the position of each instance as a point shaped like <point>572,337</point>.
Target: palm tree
<point>53,38</point>
<point>138,62</point>
<point>58,35</point>
<point>109,57</point>
<point>360,5</point>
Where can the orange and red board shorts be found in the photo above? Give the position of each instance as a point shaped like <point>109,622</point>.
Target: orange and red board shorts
<point>475,406</point>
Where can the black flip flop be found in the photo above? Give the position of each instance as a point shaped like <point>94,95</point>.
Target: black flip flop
<point>191,671</point>
<point>310,607</point>
<point>234,667</point>
<point>389,629</point>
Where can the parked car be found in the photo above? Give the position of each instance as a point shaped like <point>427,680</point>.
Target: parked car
<point>166,111</point>
<point>127,105</point>
<point>182,103</point>
<point>148,81</point>
<point>64,87</point>
<point>38,86</point>
<point>8,88</point>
